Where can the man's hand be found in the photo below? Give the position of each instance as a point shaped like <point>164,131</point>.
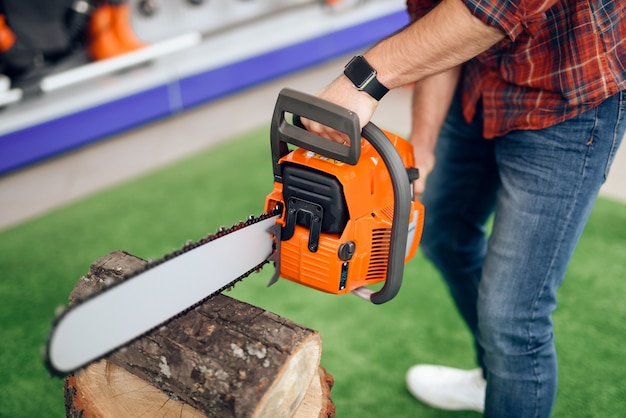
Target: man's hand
<point>341,92</point>
<point>424,161</point>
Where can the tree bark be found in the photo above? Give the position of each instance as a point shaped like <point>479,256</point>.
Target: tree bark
<point>223,358</point>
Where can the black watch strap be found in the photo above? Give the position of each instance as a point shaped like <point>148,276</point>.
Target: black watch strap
<point>375,89</point>
<point>363,77</point>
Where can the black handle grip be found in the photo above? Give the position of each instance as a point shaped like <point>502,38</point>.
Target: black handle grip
<point>328,114</point>
<point>401,212</point>
<point>346,121</point>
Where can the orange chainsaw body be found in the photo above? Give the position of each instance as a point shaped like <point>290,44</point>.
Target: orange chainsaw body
<point>353,248</point>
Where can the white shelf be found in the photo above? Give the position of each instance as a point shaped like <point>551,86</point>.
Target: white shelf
<point>216,65</point>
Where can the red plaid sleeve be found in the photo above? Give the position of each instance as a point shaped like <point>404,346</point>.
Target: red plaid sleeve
<point>560,58</point>
<point>512,17</point>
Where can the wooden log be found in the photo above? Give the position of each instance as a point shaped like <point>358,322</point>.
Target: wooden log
<point>224,358</point>
<point>104,390</point>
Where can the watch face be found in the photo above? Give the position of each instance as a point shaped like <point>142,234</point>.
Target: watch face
<point>359,71</point>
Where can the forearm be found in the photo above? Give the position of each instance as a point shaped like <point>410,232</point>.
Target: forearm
<point>431,101</point>
<point>443,39</point>
<point>446,37</point>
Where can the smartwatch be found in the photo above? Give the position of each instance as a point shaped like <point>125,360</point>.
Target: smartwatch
<point>363,77</point>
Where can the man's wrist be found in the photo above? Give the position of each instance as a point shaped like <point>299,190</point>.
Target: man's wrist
<point>364,77</point>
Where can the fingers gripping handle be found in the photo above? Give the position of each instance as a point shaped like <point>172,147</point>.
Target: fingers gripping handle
<point>313,108</point>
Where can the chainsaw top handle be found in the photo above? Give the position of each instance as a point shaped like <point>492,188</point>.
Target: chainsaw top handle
<point>341,119</point>
<point>303,105</point>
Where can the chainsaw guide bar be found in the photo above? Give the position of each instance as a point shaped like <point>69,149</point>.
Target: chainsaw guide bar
<point>62,360</point>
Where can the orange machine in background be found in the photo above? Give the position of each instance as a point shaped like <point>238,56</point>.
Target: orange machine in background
<point>110,32</point>
<point>7,37</point>
<point>43,37</point>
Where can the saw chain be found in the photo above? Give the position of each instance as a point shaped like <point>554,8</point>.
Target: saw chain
<point>191,245</point>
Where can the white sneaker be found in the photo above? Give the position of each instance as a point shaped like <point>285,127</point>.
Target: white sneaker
<point>447,388</point>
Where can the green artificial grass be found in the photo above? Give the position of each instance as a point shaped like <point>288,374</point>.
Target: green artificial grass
<point>366,348</point>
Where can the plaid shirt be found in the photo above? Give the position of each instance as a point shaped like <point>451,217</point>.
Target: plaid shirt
<point>559,59</point>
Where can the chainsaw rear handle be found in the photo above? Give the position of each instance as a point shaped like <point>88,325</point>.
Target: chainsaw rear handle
<point>341,119</point>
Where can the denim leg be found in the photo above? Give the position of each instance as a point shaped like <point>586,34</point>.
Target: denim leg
<point>549,180</point>
<point>458,200</point>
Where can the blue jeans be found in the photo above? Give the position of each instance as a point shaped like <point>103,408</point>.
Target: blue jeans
<point>540,187</point>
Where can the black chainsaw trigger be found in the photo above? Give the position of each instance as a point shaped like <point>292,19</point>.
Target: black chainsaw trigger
<point>304,213</point>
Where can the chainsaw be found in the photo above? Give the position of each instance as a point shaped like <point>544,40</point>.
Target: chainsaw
<point>340,219</point>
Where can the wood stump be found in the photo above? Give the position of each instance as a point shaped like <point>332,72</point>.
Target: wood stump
<point>224,358</point>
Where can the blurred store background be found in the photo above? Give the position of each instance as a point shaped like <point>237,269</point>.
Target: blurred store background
<point>143,83</point>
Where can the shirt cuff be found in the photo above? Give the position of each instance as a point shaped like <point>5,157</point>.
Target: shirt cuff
<point>511,17</point>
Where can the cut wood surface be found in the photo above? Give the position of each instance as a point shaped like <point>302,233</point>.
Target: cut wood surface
<point>223,358</point>
<point>104,390</point>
